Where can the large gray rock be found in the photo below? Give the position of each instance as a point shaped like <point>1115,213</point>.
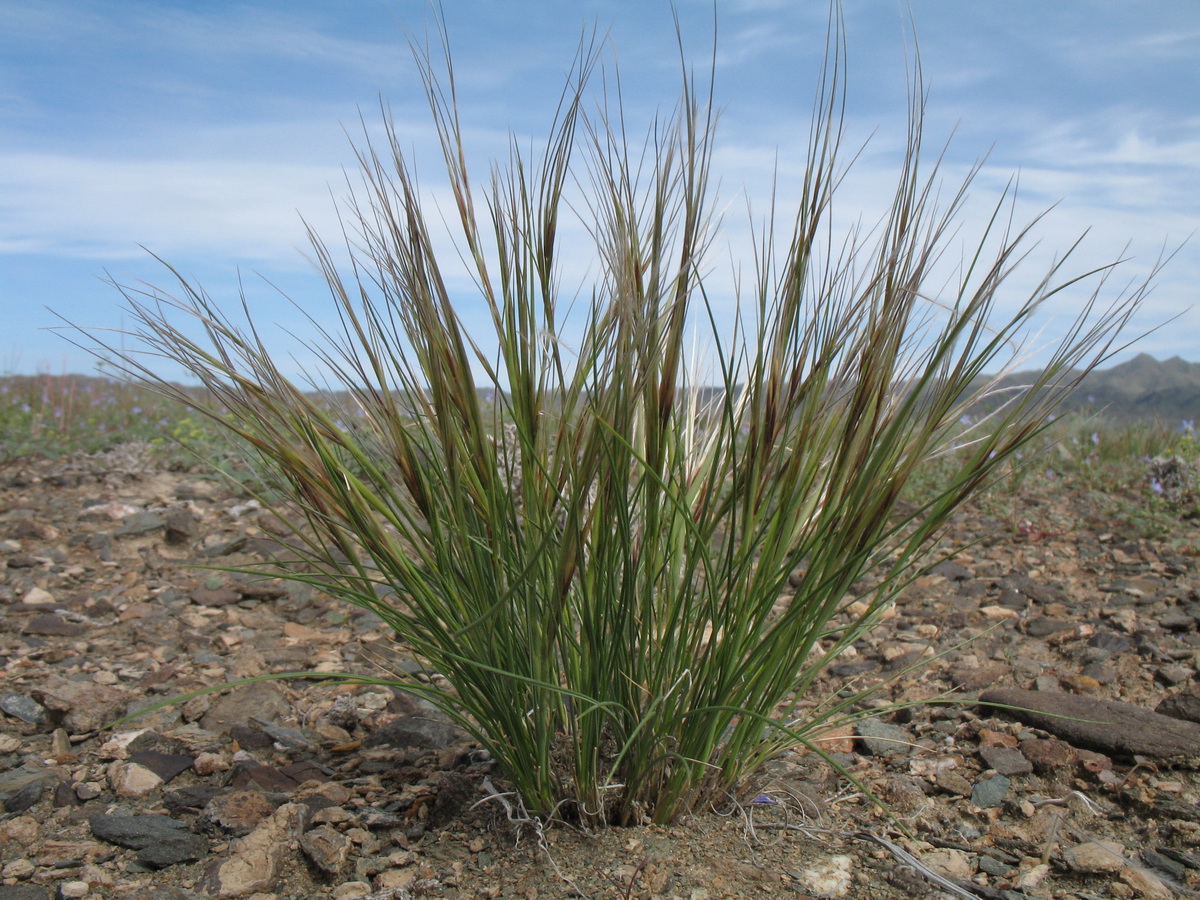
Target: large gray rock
<point>1118,729</point>
<point>160,840</point>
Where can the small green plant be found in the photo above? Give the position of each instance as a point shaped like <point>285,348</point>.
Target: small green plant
<point>592,541</point>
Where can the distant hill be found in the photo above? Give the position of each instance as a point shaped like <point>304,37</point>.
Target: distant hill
<point>1142,389</point>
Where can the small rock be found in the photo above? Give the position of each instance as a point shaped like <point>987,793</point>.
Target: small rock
<point>24,708</point>
<point>22,788</point>
<point>972,678</point>
<point>421,731</point>
<point>236,812</point>
<point>262,700</point>
<point>1050,756</point>
<point>141,523</point>
<point>165,765</point>
<point>49,625</point>
<point>351,890</point>
<point>1006,761</point>
<point>951,863</point>
<point>81,706</point>
<point>1148,886</point>
<point>952,783</point>
<point>256,861</point>
<point>1110,642</point>
<point>24,892</point>
<point>832,877</point>
<point>71,890</point>
<point>990,792</point>
<point>160,840</point>
<point>884,739</point>
<point>1044,627</point>
<point>328,849</point>
<point>1096,858</point>
<point>1184,704</point>
<point>131,780</point>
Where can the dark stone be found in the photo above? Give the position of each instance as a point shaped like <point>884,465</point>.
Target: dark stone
<point>1006,760</point>
<point>1118,729</point>
<point>250,737</point>
<point>853,668</point>
<point>24,892</point>
<point>221,596</point>
<point>1172,867</point>
<point>1183,705</point>
<point>251,777</point>
<point>21,788</point>
<point>883,739</point>
<point>1176,620</point>
<point>1044,627</point>
<point>190,798</point>
<point>420,731</point>
<point>64,795</point>
<point>181,526</point>
<point>24,708</point>
<point>165,765</point>
<point>1110,641</point>
<point>951,570</point>
<point>54,626</point>
<point>990,792</point>
<point>456,792</point>
<point>160,840</point>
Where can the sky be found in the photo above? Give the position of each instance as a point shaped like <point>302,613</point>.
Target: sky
<point>208,133</point>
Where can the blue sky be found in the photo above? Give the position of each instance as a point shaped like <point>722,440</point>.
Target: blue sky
<point>204,130</point>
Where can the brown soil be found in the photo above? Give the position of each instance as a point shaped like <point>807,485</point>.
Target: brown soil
<point>99,590</point>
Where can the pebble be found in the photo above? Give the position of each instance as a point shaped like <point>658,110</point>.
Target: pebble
<point>1006,760</point>
<point>1096,857</point>
<point>990,792</point>
<point>883,738</point>
<point>24,708</point>
<point>256,861</point>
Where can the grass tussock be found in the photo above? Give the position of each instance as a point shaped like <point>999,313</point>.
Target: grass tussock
<point>592,542</point>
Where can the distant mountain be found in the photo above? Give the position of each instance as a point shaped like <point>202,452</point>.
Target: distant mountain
<point>1142,389</point>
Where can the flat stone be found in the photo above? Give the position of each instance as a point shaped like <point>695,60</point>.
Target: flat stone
<point>131,780</point>
<point>420,731</point>
<point>22,788</point>
<point>1118,729</point>
<point>236,812</point>
<point>973,678</point>
<point>1044,627</point>
<point>141,523</point>
<point>1182,705</point>
<point>1050,757</point>
<point>24,892</point>
<point>883,739</point>
<point>81,706</point>
<point>1006,760</point>
<point>160,840</point>
<point>24,708</point>
<point>990,792</point>
<point>51,625</point>
<point>1096,858</point>
<point>328,849</point>
<point>165,765</point>
<point>257,860</point>
<point>263,700</point>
